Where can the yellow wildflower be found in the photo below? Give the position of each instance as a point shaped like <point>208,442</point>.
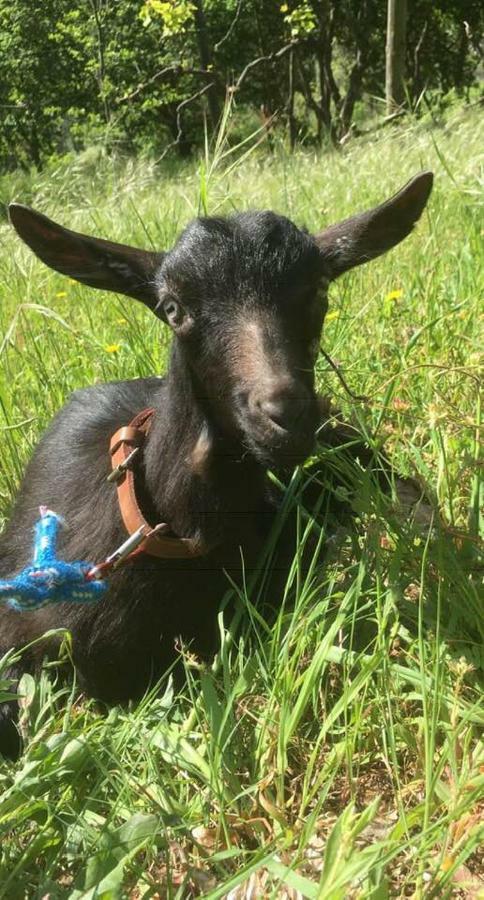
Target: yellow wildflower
<point>112,348</point>
<point>332,315</point>
<point>61,294</point>
<point>394,295</point>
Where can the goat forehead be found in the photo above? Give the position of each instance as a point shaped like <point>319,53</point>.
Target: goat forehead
<point>261,248</point>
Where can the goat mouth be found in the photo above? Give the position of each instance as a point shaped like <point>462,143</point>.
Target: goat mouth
<point>280,447</point>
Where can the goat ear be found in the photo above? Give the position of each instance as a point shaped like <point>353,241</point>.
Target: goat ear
<point>92,261</point>
<point>369,234</point>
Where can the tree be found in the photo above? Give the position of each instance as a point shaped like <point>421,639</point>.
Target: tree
<point>395,55</point>
<point>152,75</point>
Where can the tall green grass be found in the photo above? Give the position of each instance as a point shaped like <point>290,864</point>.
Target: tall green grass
<point>335,751</point>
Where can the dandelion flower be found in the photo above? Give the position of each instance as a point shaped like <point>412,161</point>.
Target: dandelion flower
<point>394,295</point>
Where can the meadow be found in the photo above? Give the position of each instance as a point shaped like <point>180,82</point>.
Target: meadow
<point>336,751</point>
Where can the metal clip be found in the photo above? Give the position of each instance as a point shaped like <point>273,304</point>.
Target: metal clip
<point>128,546</point>
<point>116,474</point>
<point>125,550</point>
<point>132,543</point>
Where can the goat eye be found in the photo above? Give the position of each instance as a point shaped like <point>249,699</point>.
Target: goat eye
<point>174,313</point>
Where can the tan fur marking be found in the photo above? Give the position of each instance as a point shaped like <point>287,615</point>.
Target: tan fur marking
<point>200,455</point>
<point>251,358</point>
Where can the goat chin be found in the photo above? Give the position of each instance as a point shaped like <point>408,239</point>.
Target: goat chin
<point>273,446</point>
<point>286,453</point>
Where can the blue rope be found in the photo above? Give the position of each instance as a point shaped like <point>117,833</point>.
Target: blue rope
<point>48,579</point>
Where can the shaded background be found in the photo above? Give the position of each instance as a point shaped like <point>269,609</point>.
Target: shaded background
<point>148,76</point>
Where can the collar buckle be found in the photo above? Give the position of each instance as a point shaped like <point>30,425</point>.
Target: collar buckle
<point>120,469</point>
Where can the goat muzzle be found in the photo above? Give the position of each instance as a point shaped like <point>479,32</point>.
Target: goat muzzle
<point>279,421</point>
<point>283,406</point>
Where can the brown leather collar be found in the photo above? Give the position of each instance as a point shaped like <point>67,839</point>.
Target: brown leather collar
<point>126,445</point>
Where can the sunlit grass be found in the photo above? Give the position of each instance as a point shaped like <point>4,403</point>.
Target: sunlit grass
<point>334,750</point>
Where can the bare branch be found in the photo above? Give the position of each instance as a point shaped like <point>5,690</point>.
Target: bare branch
<point>175,68</point>
<point>354,131</point>
<point>271,57</point>
<point>179,125</point>
<point>231,27</point>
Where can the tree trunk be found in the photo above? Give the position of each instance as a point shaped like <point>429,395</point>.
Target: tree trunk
<point>206,59</point>
<point>395,55</point>
<point>290,104</point>
<point>327,83</point>
<point>305,88</point>
<point>353,94</point>
<point>101,71</point>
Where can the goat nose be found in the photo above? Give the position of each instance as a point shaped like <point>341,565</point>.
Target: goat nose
<point>284,406</point>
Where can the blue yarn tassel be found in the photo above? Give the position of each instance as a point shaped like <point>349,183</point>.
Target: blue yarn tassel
<point>48,579</point>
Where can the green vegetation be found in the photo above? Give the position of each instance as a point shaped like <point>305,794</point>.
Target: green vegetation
<point>336,751</point>
<point>142,75</point>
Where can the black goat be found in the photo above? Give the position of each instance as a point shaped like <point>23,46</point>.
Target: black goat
<point>245,298</point>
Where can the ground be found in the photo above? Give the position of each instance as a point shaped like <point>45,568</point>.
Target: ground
<point>336,753</point>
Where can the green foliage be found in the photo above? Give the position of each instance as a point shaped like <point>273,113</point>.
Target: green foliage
<point>143,76</point>
<point>301,20</point>
<point>445,38</point>
<point>44,77</point>
<point>176,16</point>
<point>335,749</point>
